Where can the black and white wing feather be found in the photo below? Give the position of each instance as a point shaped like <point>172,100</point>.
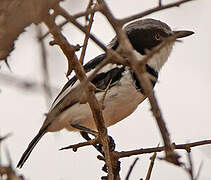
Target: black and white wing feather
<point>110,74</point>
<point>87,67</point>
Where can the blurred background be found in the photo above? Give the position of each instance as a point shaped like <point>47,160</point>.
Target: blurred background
<point>183,92</point>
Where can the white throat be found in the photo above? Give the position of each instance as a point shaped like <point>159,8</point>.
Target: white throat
<point>158,59</point>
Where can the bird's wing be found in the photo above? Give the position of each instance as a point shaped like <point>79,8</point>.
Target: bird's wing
<point>71,95</point>
<point>108,78</point>
<point>87,67</point>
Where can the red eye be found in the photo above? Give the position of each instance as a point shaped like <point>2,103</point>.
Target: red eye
<point>158,37</point>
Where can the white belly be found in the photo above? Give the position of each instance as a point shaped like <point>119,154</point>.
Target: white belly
<point>120,101</point>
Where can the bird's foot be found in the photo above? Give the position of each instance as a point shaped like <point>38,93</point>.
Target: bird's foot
<point>84,132</point>
<point>99,147</point>
<point>94,142</point>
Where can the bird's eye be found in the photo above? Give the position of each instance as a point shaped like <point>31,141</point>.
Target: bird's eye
<point>157,37</point>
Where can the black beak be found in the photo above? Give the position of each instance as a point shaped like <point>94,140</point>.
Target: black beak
<point>182,34</point>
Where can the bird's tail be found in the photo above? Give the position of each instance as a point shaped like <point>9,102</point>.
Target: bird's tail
<point>31,146</point>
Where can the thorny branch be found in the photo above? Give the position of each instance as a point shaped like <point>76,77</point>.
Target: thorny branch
<point>20,83</point>
<point>125,48</point>
<point>186,147</point>
<point>61,11</point>
<point>81,60</point>
<point>75,16</point>
<point>190,168</point>
<point>8,170</point>
<point>122,154</point>
<point>199,171</point>
<point>79,145</point>
<point>44,67</point>
<point>156,9</point>
<point>69,52</point>
<point>152,161</point>
<point>5,137</point>
<point>131,169</point>
<point>104,95</point>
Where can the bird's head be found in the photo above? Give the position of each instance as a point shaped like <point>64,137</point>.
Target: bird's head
<point>146,34</point>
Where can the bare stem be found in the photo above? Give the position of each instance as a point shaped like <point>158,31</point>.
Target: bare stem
<point>44,67</point>
<point>186,146</point>
<point>150,11</point>
<point>131,169</point>
<point>152,160</point>
<point>69,52</point>
<point>87,35</point>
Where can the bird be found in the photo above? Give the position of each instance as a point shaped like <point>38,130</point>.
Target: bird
<point>124,91</point>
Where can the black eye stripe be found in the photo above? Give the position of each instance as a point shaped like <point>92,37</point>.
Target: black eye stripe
<point>142,39</point>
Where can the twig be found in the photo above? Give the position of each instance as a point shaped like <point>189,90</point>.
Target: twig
<point>44,67</point>
<point>78,15</point>
<point>87,35</point>
<point>81,14</point>
<point>21,83</point>
<point>150,11</point>
<point>126,48</point>
<point>8,171</point>
<point>131,169</point>
<point>71,19</point>
<point>7,64</point>
<point>86,12</point>
<point>104,95</point>
<point>145,81</point>
<point>190,169</point>
<point>9,159</point>
<point>76,146</point>
<point>199,171</point>
<point>69,52</point>
<point>186,147</point>
<point>5,137</point>
<point>2,139</point>
<point>160,3</point>
<point>89,7</point>
<point>171,156</point>
<point>109,52</point>
<point>152,160</point>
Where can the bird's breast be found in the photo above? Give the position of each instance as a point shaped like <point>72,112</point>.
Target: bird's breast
<point>119,102</point>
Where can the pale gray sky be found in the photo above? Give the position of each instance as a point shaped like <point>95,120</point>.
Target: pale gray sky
<point>183,92</point>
